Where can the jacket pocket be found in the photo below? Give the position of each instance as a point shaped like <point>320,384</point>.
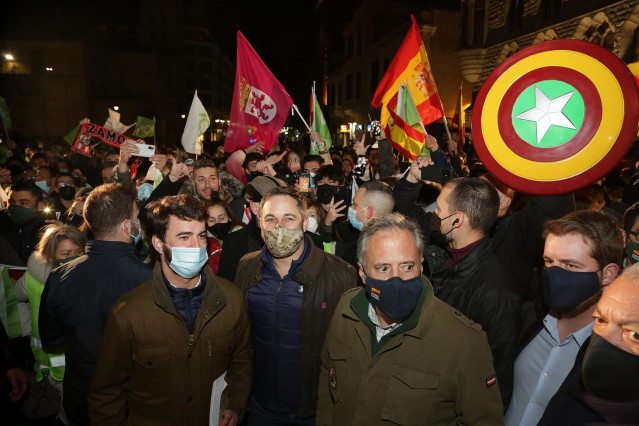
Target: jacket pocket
<point>338,356</point>
<point>410,395</point>
<point>151,356</point>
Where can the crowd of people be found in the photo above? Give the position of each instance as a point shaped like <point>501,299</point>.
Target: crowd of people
<point>282,287</point>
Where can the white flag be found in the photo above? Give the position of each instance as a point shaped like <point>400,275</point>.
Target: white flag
<point>113,122</point>
<point>196,124</point>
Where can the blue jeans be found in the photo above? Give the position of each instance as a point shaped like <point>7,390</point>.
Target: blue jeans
<point>260,416</point>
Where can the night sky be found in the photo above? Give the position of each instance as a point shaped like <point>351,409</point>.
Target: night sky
<point>284,33</point>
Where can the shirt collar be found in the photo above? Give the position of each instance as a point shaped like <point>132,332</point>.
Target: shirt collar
<point>580,336</point>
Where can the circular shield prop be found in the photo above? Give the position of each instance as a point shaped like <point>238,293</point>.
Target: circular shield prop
<point>556,117</point>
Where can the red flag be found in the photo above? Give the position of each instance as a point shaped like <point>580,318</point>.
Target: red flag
<point>411,65</point>
<point>260,103</point>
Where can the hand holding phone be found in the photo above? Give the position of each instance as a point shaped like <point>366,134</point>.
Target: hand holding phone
<point>436,174</point>
<point>144,150</point>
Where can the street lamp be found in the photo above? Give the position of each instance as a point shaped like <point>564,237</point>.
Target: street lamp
<point>183,116</point>
<point>8,56</point>
<point>115,108</point>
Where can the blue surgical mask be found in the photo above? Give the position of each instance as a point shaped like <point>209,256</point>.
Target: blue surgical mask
<point>352,218</point>
<point>144,191</point>
<point>136,238</point>
<point>63,170</point>
<point>42,184</point>
<point>187,262</point>
<point>395,297</point>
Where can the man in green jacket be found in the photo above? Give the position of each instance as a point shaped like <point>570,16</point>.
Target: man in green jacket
<point>396,354</point>
<point>166,342</point>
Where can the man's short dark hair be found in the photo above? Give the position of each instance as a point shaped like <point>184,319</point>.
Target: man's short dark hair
<point>183,206</point>
<point>606,242</point>
<point>252,156</point>
<point>332,172</point>
<point>107,206</point>
<point>310,158</point>
<point>28,186</point>
<point>381,195</point>
<point>61,175</point>
<point>202,163</point>
<point>40,155</point>
<point>630,217</point>
<point>290,192</point>
<point>477,199</point>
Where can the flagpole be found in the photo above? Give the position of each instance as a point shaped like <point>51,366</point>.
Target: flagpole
<point>298,113</point>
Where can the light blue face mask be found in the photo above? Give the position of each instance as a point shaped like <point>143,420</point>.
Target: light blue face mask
<point>42,184</point>
<point>187,262</point>
<point>136,238</point>
<point>144,191</point>
<point>352,218</point>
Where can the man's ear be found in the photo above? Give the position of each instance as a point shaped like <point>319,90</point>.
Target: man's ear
<point>361,272</point>
<point>305,224</point>
<point>40,206</point>
<point>504,201</point>
<point>609,273</point>
<point>255,208</point>
<point>158,245</point>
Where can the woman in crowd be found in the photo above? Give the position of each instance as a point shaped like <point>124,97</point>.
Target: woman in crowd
<point>58,245</point>
<point>221,221</point>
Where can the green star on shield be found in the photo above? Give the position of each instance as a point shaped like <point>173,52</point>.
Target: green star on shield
<point>548,113</point>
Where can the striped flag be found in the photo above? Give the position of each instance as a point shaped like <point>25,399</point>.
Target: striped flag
<point>318,124</point>
<point>405,129</point>
<point>410,65</point>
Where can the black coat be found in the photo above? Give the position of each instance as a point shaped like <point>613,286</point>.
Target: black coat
<point>476,286</point>
<point>574,405</point>
<point>518,238</point>
<point>74,309</point>
<point>25,238</point>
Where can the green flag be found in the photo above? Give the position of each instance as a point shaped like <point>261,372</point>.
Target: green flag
<point>144,127</point>
<point>4,113</point>
<point>70,137</point>
<point>318,124</point>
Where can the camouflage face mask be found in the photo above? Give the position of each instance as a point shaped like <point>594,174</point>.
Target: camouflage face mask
<point>282,241</point>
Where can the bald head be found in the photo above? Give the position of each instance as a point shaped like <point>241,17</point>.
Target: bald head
<point>377,195</point>
<point>617,313</point>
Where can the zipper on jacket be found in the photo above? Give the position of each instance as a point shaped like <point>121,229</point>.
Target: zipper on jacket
<point>191,340</point>
<point>210,352</point>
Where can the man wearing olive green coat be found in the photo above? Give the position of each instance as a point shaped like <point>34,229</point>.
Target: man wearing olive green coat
<point>396,354</point>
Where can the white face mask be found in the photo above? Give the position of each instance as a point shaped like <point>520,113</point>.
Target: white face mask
<point>312,224</point>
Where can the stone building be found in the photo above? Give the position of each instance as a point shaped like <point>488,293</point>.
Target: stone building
<point>492,30</point>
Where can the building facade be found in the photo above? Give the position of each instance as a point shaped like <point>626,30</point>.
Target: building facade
<point>492,30</point>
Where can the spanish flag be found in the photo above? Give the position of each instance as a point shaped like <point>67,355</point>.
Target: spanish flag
<point>405,129</point>
<point>410,65</point>
<point>460,120</point>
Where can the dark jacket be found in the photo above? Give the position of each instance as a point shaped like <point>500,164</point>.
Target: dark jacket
<point>435,371</point>
<point>275,309</point>
<point>153,371</point>
<point>25,238</point>
<point>475,286</point>
<point>518,238</point>
<point>324,278</point>
<point>573,405</point>
<point>75,305</point>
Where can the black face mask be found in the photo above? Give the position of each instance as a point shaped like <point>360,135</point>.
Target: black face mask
<point>67,192</point>
<point>253,175</point>
<point>395,297</point>
<point>79,181</point>
<point>220,230</point>
<point>564,290</point>
<point>609,372</point>
<point>74,220</point>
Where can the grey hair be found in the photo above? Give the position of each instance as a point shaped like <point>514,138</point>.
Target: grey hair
<point>390,221</point>
<point>631,272</point>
